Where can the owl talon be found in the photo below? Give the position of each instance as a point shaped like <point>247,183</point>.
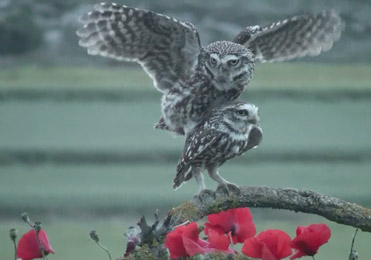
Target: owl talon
<point>205,196</point>
<point>228,188</point>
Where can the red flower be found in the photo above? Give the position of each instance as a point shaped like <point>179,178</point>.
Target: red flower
<point>184,241</point>
<point>220,242</point>
<point>28,247</point>
<point>237,221</point>
<point>271,244</point>
<point>309,239</point>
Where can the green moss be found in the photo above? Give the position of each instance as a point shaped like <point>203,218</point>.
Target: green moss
<point>147,252</point>
<point>187,212</point>
<point>222,256</point>
<point>222,204</point>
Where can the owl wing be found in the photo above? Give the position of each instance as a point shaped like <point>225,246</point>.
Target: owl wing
<point>165,47</point>
<point>298,36</point>
<point>194,146</point>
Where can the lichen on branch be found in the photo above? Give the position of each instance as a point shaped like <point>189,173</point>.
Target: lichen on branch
<point>305,201</point>
<point>228,197</point>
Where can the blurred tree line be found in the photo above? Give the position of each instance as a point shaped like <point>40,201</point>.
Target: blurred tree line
<point>18,36</point>
<point>43,31</point>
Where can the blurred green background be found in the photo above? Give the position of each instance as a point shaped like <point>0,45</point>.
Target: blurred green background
<point>78,150</point>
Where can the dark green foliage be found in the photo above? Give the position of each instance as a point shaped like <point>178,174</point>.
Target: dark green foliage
<point>19,33</point>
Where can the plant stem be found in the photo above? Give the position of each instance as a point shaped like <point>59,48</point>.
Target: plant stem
<point>37,228</point>
<point>32,225</point>
<point>39,242</point>
<point>313,257</point>
<point>15,250</point>
<point>105,249</point>
<point>352,245</point>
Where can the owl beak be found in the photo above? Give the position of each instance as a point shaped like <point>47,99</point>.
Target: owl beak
<point>253,121</point>
<point>221,79</point>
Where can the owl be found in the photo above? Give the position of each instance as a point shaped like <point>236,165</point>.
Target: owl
<point>195,79</point>
<point>229,131</point>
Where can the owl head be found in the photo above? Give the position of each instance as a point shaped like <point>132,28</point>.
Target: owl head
<point>236,117</point>
<point>229,63</point>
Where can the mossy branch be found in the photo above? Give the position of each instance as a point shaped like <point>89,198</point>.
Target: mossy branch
<point>224,198</point>
<point>306,201</point>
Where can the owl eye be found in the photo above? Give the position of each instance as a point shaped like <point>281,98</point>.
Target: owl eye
<point>233,62</point>
<point>242,112</point>
<point>213,61</point>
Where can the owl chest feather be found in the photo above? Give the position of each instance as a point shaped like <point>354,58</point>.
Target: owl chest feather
<point>205,96</point>
<point>222,150</point>
<point>190,101</point>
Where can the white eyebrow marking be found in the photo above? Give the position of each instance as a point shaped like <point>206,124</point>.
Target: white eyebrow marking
<point>230,57</point>
<point>215,56</point>
<point>251,108</point>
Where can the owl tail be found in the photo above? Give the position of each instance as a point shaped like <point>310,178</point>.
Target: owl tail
<point>183,174</point>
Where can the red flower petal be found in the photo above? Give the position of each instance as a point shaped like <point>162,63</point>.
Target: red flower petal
<point>309,239</point>
<point>184,241</point>
<point>268,245</point>
<point>267,254</point>
<point>191,240</point>
<point>252,248</point>
<point>174,243</point>
<point>218,229</point>
<point>237,221</point>
<point>297,254</point>
<point>192,247</point>
<point>222,221</point>
<point>28,247</point>
<point>245,227</point>
<point>191,231</point>
<point>219,241</point>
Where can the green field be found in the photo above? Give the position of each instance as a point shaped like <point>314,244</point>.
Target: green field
<point>311,141</point>
<point>268,76</point>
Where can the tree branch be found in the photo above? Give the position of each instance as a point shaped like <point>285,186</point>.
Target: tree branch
<point>224,198</point>
<point>306,201</point>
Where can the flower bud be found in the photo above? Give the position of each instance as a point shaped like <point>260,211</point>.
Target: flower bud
<point>13,234</point>
<point>37,227</point>
<point>353,255</point>
<point>94,236</point>
<point>26,217</point>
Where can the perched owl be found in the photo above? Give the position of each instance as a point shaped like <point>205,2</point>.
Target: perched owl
<point>229,131</point>
<point>192,78</point>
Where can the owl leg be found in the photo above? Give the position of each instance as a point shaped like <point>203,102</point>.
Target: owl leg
<point>214,174</point>
<point>197,174</point>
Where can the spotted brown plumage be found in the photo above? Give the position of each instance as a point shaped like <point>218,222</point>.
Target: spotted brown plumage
<point>192,78</point>
<point>295,37</point>
<point>229,131</point>
<point>165,47</point>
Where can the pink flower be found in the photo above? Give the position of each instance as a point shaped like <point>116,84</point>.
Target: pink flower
<point>237,221</point>
<point>271,244</point>
<point>309,239</point>
<point>28,247</point>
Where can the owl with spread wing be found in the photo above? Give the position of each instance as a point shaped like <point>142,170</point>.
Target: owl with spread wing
<point>195,79</point>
